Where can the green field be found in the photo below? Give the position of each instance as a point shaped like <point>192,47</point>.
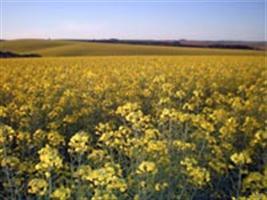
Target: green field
<point>78,48</point>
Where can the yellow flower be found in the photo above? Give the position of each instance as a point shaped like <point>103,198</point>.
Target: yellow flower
<point>198,176</point>
<point>7,134</point>
<point>254,181</point>
<point>147,167</point>
<point>136,197</point>
<point>229,128</point>
<point>55,139</point>
<point>127,109</point>
<point>161,186</point>
<point>104,195</point>
<point>254,196</point>
<point>37,186</point>
<point>49,159</point>
<point>39,136</point>
<point>151,133</point>
<point>3,111</point>
<point>183,146</point>
<point>108,176</point>
<point>119,184</point>
<point>79,143</point>
<point>11,162</point>
<point>157,146</point>
<point>23,137</point>
<point>241,158</point>
<point>157,187</point>
<point>83,172</point>
<point>180,94</point>
<point>62,193</point>
<point>98,156</point>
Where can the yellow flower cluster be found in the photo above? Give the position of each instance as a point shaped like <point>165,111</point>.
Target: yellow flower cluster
<point>83,172</point>
<point>79,143</point>
<point>161,186</point>
<point>107,176</point>
<point>49,159</point>
<point>104,195</point>
<point>256,181</point>
<point>106,180</point>
<point>241,158</point>
<point>147,167</point>
<point>38,186</point>
<point>199,176</point>
<point>131,113</point>
<point>183,146</point>
<point>10,162</point>
<point>55,139</point>
<point>61,193</point>
<point>7,134</point>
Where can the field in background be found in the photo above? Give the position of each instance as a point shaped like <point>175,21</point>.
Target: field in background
<point>79,48</point>
<point>136,127</point>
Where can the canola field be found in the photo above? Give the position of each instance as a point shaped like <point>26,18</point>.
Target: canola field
<point>133,128</point>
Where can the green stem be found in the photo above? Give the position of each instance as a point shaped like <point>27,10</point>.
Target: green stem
<point>239,183</point>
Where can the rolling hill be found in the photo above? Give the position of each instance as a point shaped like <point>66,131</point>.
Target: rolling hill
<point>51,48</point>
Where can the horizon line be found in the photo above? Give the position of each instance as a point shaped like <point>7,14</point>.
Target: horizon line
<point>132,39</point>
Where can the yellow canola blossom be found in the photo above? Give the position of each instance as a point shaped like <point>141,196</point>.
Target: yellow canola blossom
<point>79,143</point>
<point>104,195</point>
<point>7,134</point>
<point>38,186</point>
<point>241,158</point>
<point>55,139</point>
<point>61,193</point>
<point>183,146</point>
<point>10,162</point>
<point>199,176</point>
<point>49,159</point>
<point>146,167</point>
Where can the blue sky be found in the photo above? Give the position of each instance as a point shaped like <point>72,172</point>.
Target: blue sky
<point>197,19</point>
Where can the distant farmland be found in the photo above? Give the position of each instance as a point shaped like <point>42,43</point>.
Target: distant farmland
<point>53,48</point>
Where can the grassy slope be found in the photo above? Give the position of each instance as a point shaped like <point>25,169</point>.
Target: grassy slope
<point>75,48</point>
